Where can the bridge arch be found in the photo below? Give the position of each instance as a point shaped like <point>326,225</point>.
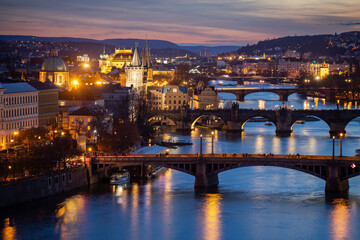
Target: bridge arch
<point>269,119</point>
<point>153,120</point>
<point>303,118</point>
<point>274,96</point>
<point>317,171</point>
<point>353,124</point>
<point>197,118</point>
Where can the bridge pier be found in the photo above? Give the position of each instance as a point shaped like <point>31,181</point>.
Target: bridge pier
<point>234,126</point>
<point>283,97</point>
<point>203,178</point>
<point>240,97</point>
<point>336,128</point>
<point>283,123</point>
<point>333,182</point>
<point>183,126</point>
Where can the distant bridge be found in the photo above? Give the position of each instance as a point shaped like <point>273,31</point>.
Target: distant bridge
<point>283,93</point>
<point>335,171</point>
<point>235,118</point>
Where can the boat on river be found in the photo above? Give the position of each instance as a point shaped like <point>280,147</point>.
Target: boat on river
<point>119,178</point>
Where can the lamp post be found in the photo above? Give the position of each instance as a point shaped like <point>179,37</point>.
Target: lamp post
<point>212,142</point>
<point>341,137</point>
<point>201,145</point>
<point>333,150</point>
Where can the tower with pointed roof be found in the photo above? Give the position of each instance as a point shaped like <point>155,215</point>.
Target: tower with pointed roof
<point>136,72</point>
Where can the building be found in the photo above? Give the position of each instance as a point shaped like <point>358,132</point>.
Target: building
<point>324,71</point>
<point>55,70</point>
<point>18,110</point>
<point>206,99</point>
<point>81,121</point>
<point>118,59</point>
<point>175,97</point>
<point>48,102</point>
<point>139,72</point>
<point>155,98</point>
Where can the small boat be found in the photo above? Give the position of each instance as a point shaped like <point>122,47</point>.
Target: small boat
<point>299,122</point>
<point>121,177</point>
<point>357,151</point>
<point>268,124</point>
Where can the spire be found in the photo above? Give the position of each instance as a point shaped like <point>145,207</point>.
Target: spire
<point>136,58</point>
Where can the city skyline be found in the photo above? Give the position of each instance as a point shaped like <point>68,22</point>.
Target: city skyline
<point>205,22</point>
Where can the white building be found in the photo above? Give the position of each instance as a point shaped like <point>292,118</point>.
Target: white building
<point>18,110</point>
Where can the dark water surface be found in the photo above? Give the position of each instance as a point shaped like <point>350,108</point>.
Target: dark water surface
<point>249,203</point>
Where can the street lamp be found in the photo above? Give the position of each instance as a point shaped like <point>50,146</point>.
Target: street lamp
<point>333,150</point>
<point>201,145</point>
<point>212,142</point>
<point>341,137</point>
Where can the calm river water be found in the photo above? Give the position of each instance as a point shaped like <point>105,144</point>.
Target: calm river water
<point>249,203</point>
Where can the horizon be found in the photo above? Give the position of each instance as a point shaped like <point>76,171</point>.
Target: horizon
<point>207,22</point>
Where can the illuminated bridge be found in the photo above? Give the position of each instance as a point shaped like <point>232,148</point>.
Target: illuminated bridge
<point>235,118</point>
<point>206,167</point>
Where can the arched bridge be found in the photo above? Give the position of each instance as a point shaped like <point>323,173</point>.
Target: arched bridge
<point>283,93</point>
<point>283,119</point>
<point>335,171</point>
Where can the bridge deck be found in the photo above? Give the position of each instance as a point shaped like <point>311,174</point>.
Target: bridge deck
<point>190,158</point>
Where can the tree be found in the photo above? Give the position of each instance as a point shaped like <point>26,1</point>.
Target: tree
<point>181,74</point>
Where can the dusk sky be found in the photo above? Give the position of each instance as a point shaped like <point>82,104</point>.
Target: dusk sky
<point>220,22</point>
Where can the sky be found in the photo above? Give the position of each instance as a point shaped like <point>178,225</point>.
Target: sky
<point>207,22</point>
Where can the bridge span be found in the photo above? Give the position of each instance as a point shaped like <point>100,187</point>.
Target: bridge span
<point>335,171</point>
<point>235,118</point>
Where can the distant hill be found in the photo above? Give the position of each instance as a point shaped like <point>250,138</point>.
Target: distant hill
<point>125,42</point>
<point>318,45</point>
<point>213,50</point>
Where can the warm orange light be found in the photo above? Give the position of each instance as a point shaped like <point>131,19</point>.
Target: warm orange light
<point>75,82</point>
<point>86,65</point>
<point>16,133</point>
<point>98,83</point>
<point>90,149</point>
<point>62,133</point>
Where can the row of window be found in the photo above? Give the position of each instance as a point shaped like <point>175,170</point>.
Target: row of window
<point>183,96</point>
<point>170,102</point>
<point>20,124</point>
<point>19,112</point>
<point>20,100</point>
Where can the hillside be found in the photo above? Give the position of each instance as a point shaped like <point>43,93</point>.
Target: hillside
<point>318,45</point>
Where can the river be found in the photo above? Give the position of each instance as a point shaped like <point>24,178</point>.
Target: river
<point>249,203</point>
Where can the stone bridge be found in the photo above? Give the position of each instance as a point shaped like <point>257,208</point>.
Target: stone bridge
<point>334,170</point>
<point>235,118</point>
<point>283,93</point>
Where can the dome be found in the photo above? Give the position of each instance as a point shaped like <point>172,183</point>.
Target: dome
<point>104,56</point>
<point>54,64</point>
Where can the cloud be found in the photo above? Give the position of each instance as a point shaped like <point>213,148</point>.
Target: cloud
<point>197,21</point>
<point>350,24</point>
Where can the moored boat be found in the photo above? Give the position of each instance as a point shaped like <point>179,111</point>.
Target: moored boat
<point>121,177</point>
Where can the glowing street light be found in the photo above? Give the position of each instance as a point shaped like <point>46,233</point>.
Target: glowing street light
<point>212,142</point>
<point>86,65</point>
<point>201,145</point>
<point>333,150</point>
<point>341,137</point>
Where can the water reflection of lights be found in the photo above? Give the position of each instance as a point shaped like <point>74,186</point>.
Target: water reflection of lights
<point>9,230</point>
<point>261,104</point>
<point>135,211</point>
<point>69,214</point>
<point>212,217</point>
<point>259,144</point>
<point>339,219</point>
<point>306,105</point>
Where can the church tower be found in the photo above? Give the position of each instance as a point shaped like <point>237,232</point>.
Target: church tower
<point>146,61</point>
<point>135,73</point>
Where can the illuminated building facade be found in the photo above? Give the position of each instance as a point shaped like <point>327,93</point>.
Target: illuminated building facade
<point>175,97</point>
<point>206,99</point>
<point>324,70</point>
<point>18,110</point>
<point>54,69</point>
<point>118,59</point>
<point>139,72</point>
